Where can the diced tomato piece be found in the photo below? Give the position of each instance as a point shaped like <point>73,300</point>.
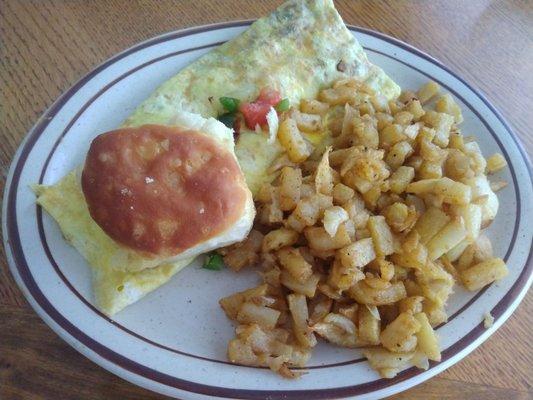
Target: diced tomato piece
<point>254,113</point>
<point>270,96</point>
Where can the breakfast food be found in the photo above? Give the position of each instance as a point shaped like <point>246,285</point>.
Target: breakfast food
<point>361,239</point>
<point>296,50</point>
<point>371,203</point>
<point>94,217</point>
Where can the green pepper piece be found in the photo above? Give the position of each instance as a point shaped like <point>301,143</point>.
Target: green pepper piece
<point>230,104</point>
<point>227,119</point>
<point>283,105</point>
<point>213,262</point>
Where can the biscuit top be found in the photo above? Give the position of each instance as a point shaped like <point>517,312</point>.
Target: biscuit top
<point>160,189</point>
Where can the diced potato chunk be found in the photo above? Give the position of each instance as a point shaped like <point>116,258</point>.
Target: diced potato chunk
<point>369,326</point>
<point>357,254</point>
<point>484,273</point>
<point>442,123</point>
<point>446,104</point>
<point>320,240</point>
<point>293,142</point>
<point>324,179</point>
<point>364,294</point>
<point>342,193</point>
<point>289,188</point>
<point>314,107</point>
<point>295,264</point>
<point>432,221</point>
<point>495,163</point>
<point>387,363</point>
<point>428,91</point>
<point>399,335</point>
<point>401,178</point>
<point>381,236</point>
<point>307,288</point>
<point>452,192</point>
<point>428,343</point>
<point>308,122</point>
<point>300,316</point>
<point>232,304</point>
<point>447,238</point>
<point>244,253</point>
<point>398,154</point>
<point>333,218</point>
<point>276,239</point>
<point>251,313</point>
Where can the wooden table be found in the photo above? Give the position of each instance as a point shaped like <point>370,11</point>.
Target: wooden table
<point>47,45</point>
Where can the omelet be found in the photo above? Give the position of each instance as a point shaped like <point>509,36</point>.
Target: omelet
<point>300,48</point>
<point>113,289</point>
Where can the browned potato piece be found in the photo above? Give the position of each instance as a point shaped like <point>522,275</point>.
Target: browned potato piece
<point>387,363</point>
<point>337,329</point>
<point>342,277</point>
<point>495,163</point>
<point>390,135</point>
<point>324,177</point>
<point>292,140</point>
<point>428,91</point>
<point>276,239</point>
<point>484,273</point>
<point>412,304</point>
<point>429,170</point>
<point>300,316</point>
<point>415,108</point>
<point>442,123</point>
<point>250,313</point>
<point>401,178</point>
<point>289,188</point>
<point>231,304</point>
<point>428,343</point>
<point>369,326</point>
<point>364,294</point>
<point>240,352</point>
<point>320,308</point>
<point>452,192</point>
<point>307,288</point>
<point>399,335</point>
<point>447,238</point>
<point>340,95</point>
<point>342,193</point>
<point>398,154</point>
<point>320,240</point>
<point>308,122</point>
<point>366,133</point>
<point>381,236</point>
<point>400,217</point>
<point>357,254</point>
<point>313,107</point>
<point>432,221</point>
<point>446,104</point>
<point>291,259</point>
<point>244,253</point>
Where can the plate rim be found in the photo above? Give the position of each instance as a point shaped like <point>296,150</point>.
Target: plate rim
<point>515,293</point>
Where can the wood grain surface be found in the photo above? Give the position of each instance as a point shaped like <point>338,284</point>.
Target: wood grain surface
<point>45,46</point>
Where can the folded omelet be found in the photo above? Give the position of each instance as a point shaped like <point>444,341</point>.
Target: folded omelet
<point>297,50</point>
<point>113,289</point>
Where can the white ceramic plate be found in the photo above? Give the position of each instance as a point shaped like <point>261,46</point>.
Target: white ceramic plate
<point>174,340</point>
